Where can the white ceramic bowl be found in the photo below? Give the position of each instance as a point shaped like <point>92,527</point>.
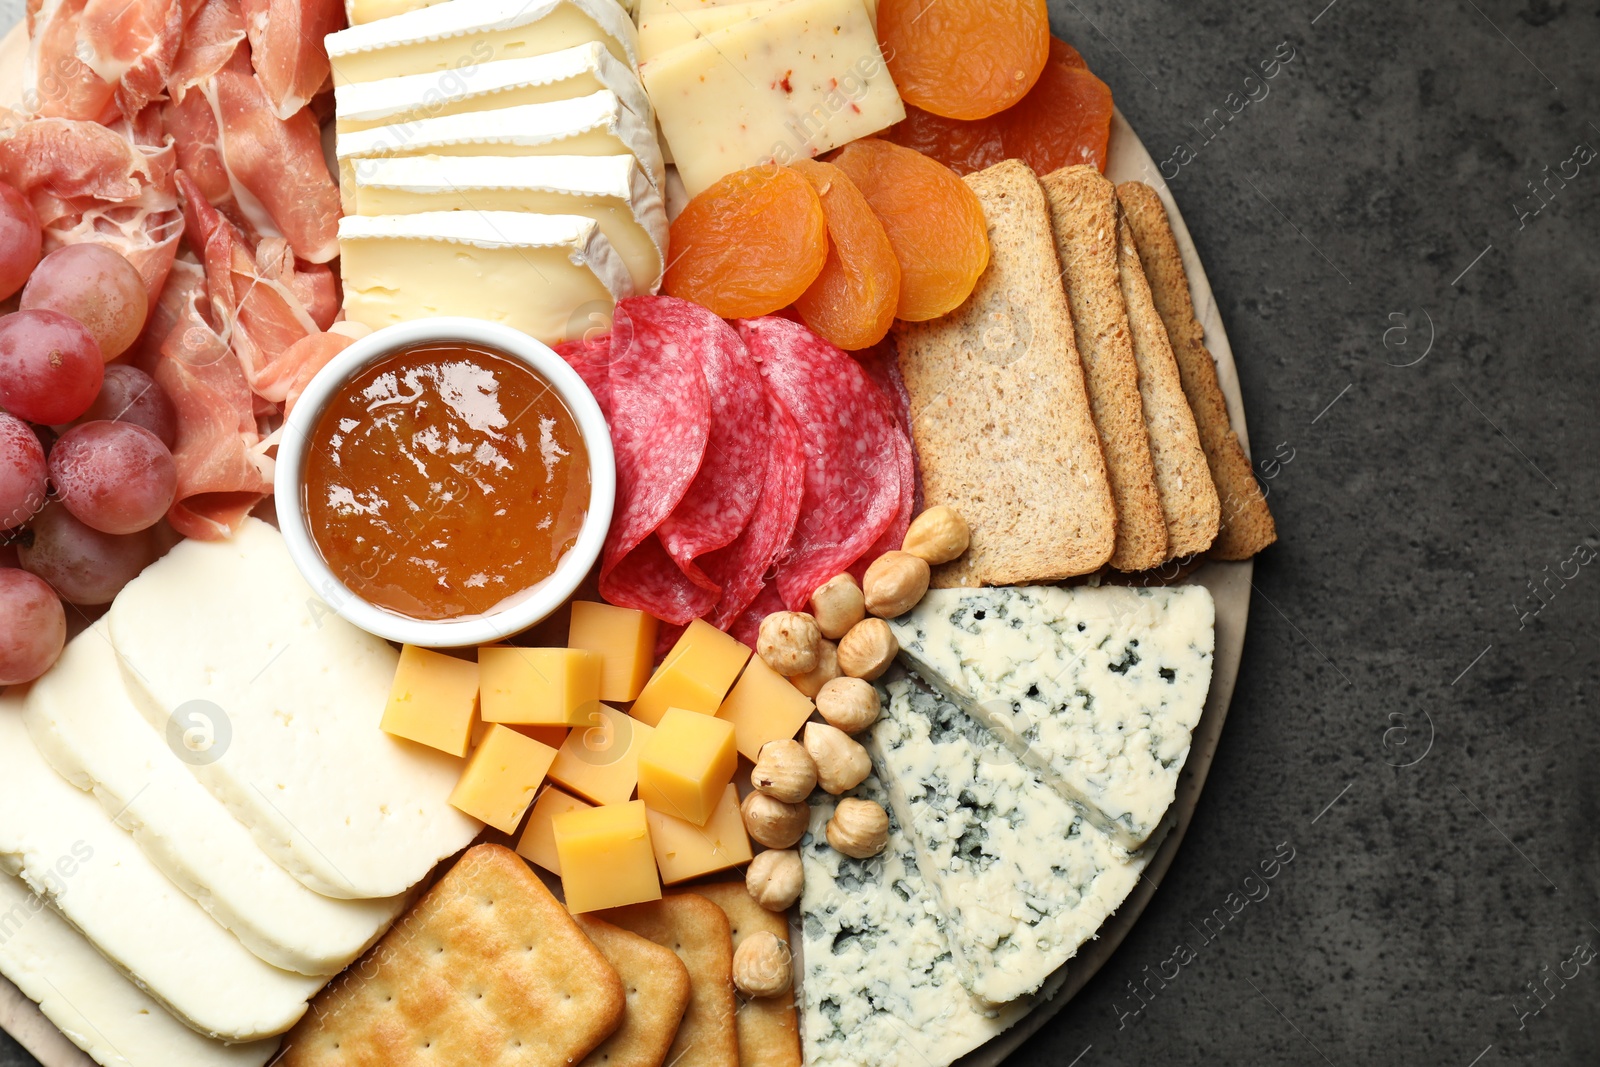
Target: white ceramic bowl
<point>521,611</point>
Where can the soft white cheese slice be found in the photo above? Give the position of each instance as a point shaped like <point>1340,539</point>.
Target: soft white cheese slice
<point>98,1009</point>
<point>359,11</point>
<point>611,190</point>
<point>83,722</point>
<point>66,848</point>
<point>564,75</point>
<point>554,277</point>
<point>229,630</point>
<point>1022,880</point>
<point>1096,688</point>
<point>791,84</point>
<point>880,986</point>
<point>461,33</point>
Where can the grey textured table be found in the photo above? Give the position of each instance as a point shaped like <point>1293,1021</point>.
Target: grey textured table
<point>1415,331</point>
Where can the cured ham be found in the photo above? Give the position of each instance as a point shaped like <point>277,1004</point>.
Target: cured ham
<point>286,48</point>
<point>93,59</point>
<point>209,42</point>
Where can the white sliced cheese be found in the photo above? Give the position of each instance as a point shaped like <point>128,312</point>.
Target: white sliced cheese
<point>1096,688</point>
<point>98,1009</point>
<point>666,26</point>
<point>229,631</point>
<point>554,277</point>
<point>612,190</point>
<point>66,848</point>
<point>648,9</point>
<point>83,722</point>
<point>564,75</point>
<point>460,33</point>
<point>1023,881</point>
<point>791,84</point>
<point>360,11</point>
<point>880,986</point>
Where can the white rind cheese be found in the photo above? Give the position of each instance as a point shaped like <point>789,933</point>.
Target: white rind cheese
<point>82,721</point>
<point>880,988</point>
<point>95,1007</point>
<point>296,695</point>
<point>1023,881</point>
<point>1098,689</point>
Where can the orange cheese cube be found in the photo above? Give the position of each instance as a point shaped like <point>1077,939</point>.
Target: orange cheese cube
<point>695,676</point>
<point>624,638</point>
<point>502,777</point>
<point>684,850</point>
<point>605,855</point>
<point>686,764</point>
<point>434,700</point>
<point>764,706</point>
<point>537,686</point>
<point>539,839</point>
<point>600,761</point>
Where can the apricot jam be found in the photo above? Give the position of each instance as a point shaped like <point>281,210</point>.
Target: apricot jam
<point>445,479</point>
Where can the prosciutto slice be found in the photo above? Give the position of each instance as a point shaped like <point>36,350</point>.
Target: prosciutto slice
<point>89,59</point>
<point>286,48</point>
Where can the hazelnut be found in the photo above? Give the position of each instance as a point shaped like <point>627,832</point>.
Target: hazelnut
<point>761,965</point>
<point>896,581</point>
<point>841,762</point>
<point>775,878</point>
<point>938,535</point>
<point>789,642</point>
<point>867,650</point>
<point>838,605</point>
<point>851,704</point>
<point>785,771</point>
<point>773,822</point>
<point>859,828</point>
<point>826,670</point>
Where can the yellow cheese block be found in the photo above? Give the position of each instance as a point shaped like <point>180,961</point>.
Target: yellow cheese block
<point>605,855</point>
<point>695,676</point>
<point>501,778</point>
<point>538,842</point>
<point>434,700</point>
<point>600,761</point>
<point>764,706</point>
<point>625,638</point>
<point>538,686</point>
<point>665,28</point>
<point>686,764</point>
<point>684,850</point>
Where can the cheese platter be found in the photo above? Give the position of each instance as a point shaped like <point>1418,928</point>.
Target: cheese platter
<point>890,555</point>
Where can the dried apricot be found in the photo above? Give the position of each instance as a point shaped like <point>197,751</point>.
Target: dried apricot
<point>964,59</point>
<point>1064,119</point>
<point>934,222</point>
<point>853,301</point>
<point>749,245</point>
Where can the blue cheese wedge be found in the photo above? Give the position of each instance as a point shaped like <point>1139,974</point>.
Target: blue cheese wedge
<point>880,986</point>
<point>1098,689</point>
<point>1022,879</point>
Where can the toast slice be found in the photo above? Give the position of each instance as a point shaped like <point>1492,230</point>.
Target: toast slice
<point>1083,217</point>
<point>999,413</point>
<point>1246,525</point>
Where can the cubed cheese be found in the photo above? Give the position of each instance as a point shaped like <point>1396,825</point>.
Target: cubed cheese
<point>695,676</point>
<point>600,759</point>
<point>764,706</point>
<point>686,764</point>
<point>539,686</point>
<point>605,854</point>
<point>502,778</point>
<point>684,850</point>
<point>625,638</point>
<point>539,839</point>
<point>434,700</point>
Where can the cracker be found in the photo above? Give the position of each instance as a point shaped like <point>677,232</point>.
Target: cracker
<point>487,969</point>
<point>768,1028</point>
<point>698,931</point>
<point>657,987</point>
<point>1246,525</point>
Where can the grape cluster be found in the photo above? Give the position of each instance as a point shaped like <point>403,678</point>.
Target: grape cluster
<point>86,467</point>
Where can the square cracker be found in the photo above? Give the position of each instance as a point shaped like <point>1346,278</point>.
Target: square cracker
<point>768,1028</point>
<point>699,932</point>
<point>657,987</point>
<point>487,969</point>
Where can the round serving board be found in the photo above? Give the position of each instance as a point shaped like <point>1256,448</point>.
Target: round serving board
<point>1229,584</point>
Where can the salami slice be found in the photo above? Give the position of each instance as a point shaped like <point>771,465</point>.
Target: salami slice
<point>882,367</point>
<point>852,463</point>
<point>592,360</point>
<point>660,421</point>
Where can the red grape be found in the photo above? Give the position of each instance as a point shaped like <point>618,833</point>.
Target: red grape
<point>8,557</point>
<point>97,287</point>
<point>21,240</point>
<point>131,395</point>
<point>33,627</point>
<point>114,476</point>
<point>22,472</point>
<point>83,565</point>
<point>50,367</point>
